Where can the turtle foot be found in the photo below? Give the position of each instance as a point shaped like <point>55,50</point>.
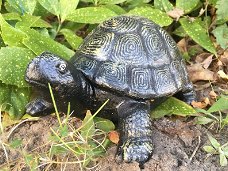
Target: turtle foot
<point>39,107</point>
<point>135,150</point>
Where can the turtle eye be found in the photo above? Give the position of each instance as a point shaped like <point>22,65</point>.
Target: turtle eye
<point>62,67</point>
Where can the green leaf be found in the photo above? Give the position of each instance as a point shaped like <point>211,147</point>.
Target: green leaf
<point>91,15</point>
<point>12,16</point>
<point>4,96</point>
<point>214,142</point>
<point>104,124</point>
<point>52,6</point>
<point>221,104</point>
<point>111,1</point>
<point>188,5</point>
<point>10,35</point>
<point>221,34</point>
<point>28,20</point>
<point>212,2</point>
<point>39,43</point>
<point>203,120</point>
<point>115,8</point>
<point>66,7</point>
<point>222,159</point>
<point>225,150</point>
<point>13,100</point>
<point>209,149</point>
<point>198,34</point>
<point>58,149</point>
<point>179,31</point>
<point>16,143</point>
<point>155,15</point>
<point>13,64</point>
<point>222,8</point>
<point>88,127</point>
<point>163,5</point>
<point>19,97</point>
<point>173,106</point>
<point>63,131</point>
<point>23,6</point>
<point>71,38</point>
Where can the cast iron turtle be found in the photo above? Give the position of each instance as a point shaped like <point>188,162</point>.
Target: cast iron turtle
<point>127,59</point>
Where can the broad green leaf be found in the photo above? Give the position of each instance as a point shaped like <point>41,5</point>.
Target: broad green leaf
<point>163,5</point>
<point>221,34</point>
<point>71,38</point>
<point>179,31</point>
<point>4,95</point>
<point>66,7</point>
<point>225,150</point>
<point>111,1</point>
<point>52,6</point>
<point>10,35</point>
<point>91,15</point>
<point>173,106</point>
<point>203,120</point>
<point>88,127</point>
<point>12,16</point>
<point>214,142</point>
<point>198,34</point>
<point>221,104</point>
<point>222,159</point>
<point>32,21</point>
<point>23,6</point>
<point>104,124</point>
<point>115,8</point>
<point>13,64</point>
<point>14,99</point>
<point>209,149</point>
<point>188,5</point>
<point>222,8</point>
<point>155,15</point>
<point>39,43</point>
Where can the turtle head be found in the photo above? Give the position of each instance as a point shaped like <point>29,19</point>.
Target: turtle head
<point>49,68</point>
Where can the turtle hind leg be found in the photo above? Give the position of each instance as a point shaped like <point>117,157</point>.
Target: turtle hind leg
<point>135,132</point>
<point>188,94</point>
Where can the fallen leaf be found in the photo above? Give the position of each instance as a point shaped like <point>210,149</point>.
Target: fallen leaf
<point>222,75</point>
<point>201,57</point>
<point>224,58</point>
<point>202,104</point>
<point>182,45</point>
<point>197,72</point>
<point>206,63</point>
<point>213,95</point>
<point>176,13</point>
<point>114,137</point>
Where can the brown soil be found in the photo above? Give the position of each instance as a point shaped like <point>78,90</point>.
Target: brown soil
<point>178,147</point>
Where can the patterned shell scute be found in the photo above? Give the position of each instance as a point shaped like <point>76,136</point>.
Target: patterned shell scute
<point>97,44</point>
<point>120,24</point>
<point>128,48</point>
<point>133,56</point>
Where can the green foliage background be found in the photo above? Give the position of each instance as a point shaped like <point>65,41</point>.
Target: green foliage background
<point>29,27</point>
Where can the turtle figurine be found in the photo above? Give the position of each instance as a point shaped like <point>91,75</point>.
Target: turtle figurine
<point>129,60</point>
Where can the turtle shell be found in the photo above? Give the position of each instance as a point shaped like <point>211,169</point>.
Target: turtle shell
<point>133,56</point>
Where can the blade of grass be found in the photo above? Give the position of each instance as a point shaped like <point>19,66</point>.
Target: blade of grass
<point>55,107</point>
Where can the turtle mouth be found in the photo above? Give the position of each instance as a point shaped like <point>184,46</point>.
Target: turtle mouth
<point>36,83</point>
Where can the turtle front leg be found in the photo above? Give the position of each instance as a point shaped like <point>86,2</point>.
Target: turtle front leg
<point>135,132</point>
<point>39,107</point>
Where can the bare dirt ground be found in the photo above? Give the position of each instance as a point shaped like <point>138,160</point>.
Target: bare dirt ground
<point>178,147</point>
